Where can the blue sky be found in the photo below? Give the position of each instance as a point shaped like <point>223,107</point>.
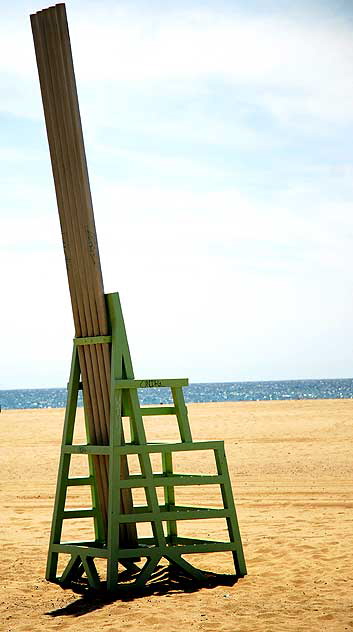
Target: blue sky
<point>218,137</point>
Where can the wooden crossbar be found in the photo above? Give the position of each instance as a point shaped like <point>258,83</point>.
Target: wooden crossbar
<point>154,383</point>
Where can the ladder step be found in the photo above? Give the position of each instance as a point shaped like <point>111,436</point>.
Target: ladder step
<point>79,513</point>
<point>86,449</point>
<point>131,448</point>
<point>204,546</point>
<point>141,514</point>
<point>149,410</point>
<point>80,548</point>
<point>170,480</point>
<point>151,448</point>
<point>83,480</point>
<point>157,410</point>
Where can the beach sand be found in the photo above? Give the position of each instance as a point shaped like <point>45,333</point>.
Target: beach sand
<point>291,464</point>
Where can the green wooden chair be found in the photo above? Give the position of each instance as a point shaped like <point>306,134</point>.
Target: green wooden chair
<point>108,543</point>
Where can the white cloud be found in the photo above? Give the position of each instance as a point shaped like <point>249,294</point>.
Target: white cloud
<point>214,281</point>
<point>212,284</point>
<point>309,61</point>
<point>299,71</point>
<point>210,43</point>
<point>228,218</point>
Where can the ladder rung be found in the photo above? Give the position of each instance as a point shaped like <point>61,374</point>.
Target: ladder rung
<point>149,410</point>
<point>79,513</point>
<point>86,449</point>
<point>81,548</point>
<point>131,448</point>
<point>157,410</point>
<point>142,514</point>
<point>83,480</point>
<point>151,448</point>
<point>193,546</point>
<point>170,480</point>
<point>82,543</point>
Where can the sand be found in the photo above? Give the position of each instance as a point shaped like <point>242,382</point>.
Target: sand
<point>291,465</point>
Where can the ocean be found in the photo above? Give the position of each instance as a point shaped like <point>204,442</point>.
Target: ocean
<point>205,392</point>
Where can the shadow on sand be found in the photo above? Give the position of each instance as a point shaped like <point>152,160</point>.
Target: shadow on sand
<point>164,580</point>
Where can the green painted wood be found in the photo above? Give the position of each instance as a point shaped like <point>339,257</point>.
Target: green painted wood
<point>70,514</point>
<point>130,448</point>
<point>147,570</point>
<point>177,560</point>
<point>182,414</point>
<point>121,354</point>
<point>180,549</point>
<point>91,572</point>
<point>116,439</point>
<point>150,383</point>
<point>153,448</point>
<point>64,465</point>
<point>129,396</point>
<point>189,513</point>
<point>182,546</point>
<point>182,540</point>
<point>114,522</point>
<point>84,543</point>
<point>87,449</point>
<point>138,510</point>
<point>146,469</point>
<point>125,402</point>
<point>81,550</point>
<point>92,340</point>
<point>121,368</point>
<point>169,494</point>
<point>149,542</point>
<point>119,332</point>
<point>160,480</point>
<point>232,520</point>
<point>157,410</point>
<point>80,481</point>
<point>73,570</point>
<point>99,529</point>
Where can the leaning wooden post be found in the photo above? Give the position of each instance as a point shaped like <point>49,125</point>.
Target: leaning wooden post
<point>64,130</point>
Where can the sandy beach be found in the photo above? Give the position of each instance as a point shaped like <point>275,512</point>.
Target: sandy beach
<point>291,465</point>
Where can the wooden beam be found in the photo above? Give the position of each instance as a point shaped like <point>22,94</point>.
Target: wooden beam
<point>69,166</point>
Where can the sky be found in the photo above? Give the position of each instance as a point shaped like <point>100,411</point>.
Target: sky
<point>219,144</point>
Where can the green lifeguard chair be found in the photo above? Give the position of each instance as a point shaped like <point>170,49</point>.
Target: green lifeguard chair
<point>165,541</point>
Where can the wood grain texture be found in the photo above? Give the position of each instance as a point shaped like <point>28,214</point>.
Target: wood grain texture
<point>69,166</point>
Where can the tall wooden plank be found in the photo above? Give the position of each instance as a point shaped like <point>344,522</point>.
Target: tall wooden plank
<point>69,166</point>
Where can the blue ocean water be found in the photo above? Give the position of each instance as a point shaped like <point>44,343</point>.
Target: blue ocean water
<point>206,392</point>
